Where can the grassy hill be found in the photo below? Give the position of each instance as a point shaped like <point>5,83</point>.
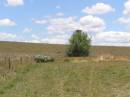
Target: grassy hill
<point>73,78</point>
<point>57,50</point>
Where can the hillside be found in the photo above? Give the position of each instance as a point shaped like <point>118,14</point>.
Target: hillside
<point>57,50</point>
<point>73,78</point>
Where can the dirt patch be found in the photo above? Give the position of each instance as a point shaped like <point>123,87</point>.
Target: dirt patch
<point>109,57</point>
<point>99,58</point>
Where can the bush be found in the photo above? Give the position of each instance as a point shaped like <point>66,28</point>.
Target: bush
<point>79,44</point>
<point>42,59</point>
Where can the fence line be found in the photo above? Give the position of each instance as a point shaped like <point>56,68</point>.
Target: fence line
<point>11,62</point>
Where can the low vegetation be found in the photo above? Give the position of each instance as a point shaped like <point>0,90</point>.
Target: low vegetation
<point>43,58</point>
<point>68,79</point>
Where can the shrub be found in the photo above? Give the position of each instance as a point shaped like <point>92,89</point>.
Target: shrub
<point>79,44</point>
<point>42,59</point>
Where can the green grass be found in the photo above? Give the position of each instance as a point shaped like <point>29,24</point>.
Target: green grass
<point>58,79</point>
<point>17,78</point>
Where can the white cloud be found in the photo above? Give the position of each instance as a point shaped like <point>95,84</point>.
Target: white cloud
<point>32,41</point>
<point>57,39</point>
<point>62,25</point>
<point>99,8</point>
<point>112,38</point>
<point>125,19</point>
<point>92,24</point>
<point>127,8</point>
<point>15,2</point>
<point>7,22</point>
<point>54,41</point>
<point>60,14</point>
<point>27,30</point>
<point>39,21</point>
<point>6,36</point>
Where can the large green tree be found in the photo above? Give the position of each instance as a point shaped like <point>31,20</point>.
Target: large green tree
<point>79,44</point>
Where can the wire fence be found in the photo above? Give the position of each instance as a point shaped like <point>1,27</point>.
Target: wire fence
<point>11,62</point>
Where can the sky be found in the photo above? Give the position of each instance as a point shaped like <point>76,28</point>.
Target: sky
<point>107,22</point>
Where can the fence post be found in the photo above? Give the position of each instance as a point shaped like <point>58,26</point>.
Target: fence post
<point>21,60</point>
<point>5,60</point>
<point>9,60</point>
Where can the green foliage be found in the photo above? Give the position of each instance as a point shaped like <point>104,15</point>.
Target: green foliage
<point>79,44</point>
<point>42,59</point>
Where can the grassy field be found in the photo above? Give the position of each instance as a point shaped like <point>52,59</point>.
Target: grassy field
<point>65,78</point>
<point>68,79</point>
<point>57,50</point>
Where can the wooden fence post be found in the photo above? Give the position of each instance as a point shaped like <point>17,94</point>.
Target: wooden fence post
<point>5,59</point>
<point>9,60</point>
<point>21,60</point>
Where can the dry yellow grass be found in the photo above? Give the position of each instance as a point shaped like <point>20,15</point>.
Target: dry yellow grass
<point>67,77</point>
<point>57,50</point>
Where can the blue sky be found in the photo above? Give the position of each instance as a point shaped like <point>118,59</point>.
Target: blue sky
<point>53,21</point>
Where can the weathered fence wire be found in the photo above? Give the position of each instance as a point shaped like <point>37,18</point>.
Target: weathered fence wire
<point>12,61</point>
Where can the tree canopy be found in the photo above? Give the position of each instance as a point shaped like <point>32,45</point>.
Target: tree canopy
<point>79,44</point>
